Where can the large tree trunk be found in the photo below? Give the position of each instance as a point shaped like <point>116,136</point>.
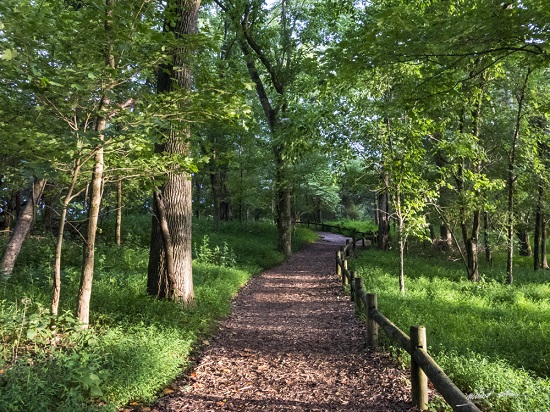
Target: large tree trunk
<point>22,228</point>
<point>283,204</point>
<point>176,194</point>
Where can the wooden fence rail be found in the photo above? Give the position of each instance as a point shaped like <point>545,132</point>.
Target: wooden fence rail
<point>353,233</point>
<point>422,364</point>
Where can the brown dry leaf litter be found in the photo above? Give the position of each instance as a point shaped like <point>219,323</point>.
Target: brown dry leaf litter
<point>292,343</point>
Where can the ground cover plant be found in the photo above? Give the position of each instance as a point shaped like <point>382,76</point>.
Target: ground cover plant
<point>365,225</point>
<point>136,344</point>
<point>490,338</point>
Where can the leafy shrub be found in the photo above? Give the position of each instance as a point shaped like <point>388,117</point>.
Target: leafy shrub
<point>223,256</point>
<point>137,344</point>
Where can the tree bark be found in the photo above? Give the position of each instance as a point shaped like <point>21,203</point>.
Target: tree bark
<point>524,242</point>
<point>87,274</point>
<point>511,180</point>
<point>471,245</point>
<point>383,213</point>
<point>47,217</point>
<point>487,242</point>
<point>220,192</point>
<point>118,224</point>
<point>96,192</point>
<point>177,191</point>
<point>537,241</point>
<point>56,281</point>
<point>283,205</point>
<point>283,192</point>
<point>544,261</point>
<point>21,230</point>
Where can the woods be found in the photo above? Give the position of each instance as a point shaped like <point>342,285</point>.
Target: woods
<point>411,115</point>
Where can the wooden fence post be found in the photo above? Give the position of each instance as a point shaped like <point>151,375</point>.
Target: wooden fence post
<point>358,289</point>
<point>344,270</point>
<point>352,285</point>
<point>419,380</point>
<point>354,239</point>
<point>347,248</point>
<point>338,267</point>
<point>372,326</point>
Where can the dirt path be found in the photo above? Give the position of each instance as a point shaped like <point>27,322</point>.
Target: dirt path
<point>292,343</point>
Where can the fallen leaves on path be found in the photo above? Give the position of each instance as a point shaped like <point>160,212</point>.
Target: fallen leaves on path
<point>292,343</point>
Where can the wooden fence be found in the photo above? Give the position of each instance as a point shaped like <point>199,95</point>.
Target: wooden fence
<point>422,364</point>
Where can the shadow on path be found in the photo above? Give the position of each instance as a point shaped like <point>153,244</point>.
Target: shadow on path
<point>292,343</point>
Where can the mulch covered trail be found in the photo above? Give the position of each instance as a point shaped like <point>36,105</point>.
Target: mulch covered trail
<point>292,343</point>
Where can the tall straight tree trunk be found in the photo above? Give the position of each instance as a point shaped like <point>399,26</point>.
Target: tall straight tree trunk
<point>471,245</point>
<point>56,281</point>
<point>511,180</point>
<point>96,192</point>
<point>487,242</point>
<point>524,242</point>
<point>383,213</point>
<point>170,272</point>
<point>87,274</point>
<point>471,241</point>
<point>544,260</point>
<point>402,240</point>
<point>21,230</point>
<point>283,204</point>
<point>220,192</point>
<point>539,222</point>
<point>118,225</point>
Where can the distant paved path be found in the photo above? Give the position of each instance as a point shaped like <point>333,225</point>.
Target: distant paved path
<point>292,343</point>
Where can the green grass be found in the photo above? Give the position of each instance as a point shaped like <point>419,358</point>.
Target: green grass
<point>358,225</point>
<point>137,344</point>
<point>491,338</point>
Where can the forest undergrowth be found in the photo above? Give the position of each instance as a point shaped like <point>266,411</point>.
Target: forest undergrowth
<point>490,338</point>
<point>136,344</point>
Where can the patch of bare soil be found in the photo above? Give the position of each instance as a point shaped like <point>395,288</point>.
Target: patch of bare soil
<point>292,343</point>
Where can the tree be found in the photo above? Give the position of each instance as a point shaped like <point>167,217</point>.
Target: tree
<point>275,41</point>
<point>22,228</point>
<point>170,268</point>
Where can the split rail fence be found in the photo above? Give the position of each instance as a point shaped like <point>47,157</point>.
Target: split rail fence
<point>422,364</point>
<point>353,233</point>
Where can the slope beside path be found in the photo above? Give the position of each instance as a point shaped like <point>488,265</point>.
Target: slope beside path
<point>292,343</point>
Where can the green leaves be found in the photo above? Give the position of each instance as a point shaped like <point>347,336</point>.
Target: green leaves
<point>8,54</point>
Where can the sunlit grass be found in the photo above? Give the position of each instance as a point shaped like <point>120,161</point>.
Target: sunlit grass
<point>137,344</point>
<point>491,338</point>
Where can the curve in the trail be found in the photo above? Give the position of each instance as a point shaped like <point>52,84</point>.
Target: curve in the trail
<point>292,343</point>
